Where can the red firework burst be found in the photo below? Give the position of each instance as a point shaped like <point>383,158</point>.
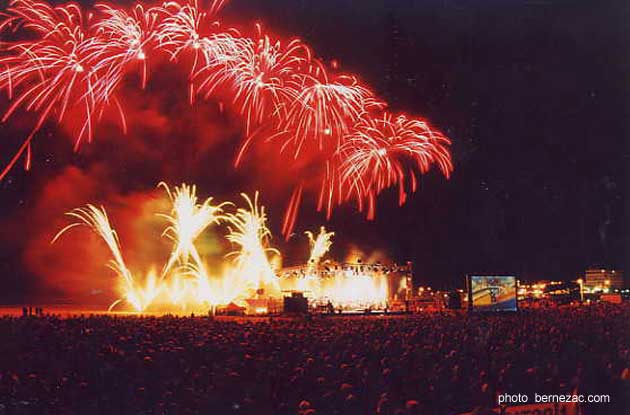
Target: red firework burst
<point>128,36</point>
<point>382,151</point>
<point>51,73</point>
<point>285,96</point>
<point>261,77</point>
<point>324,111</point>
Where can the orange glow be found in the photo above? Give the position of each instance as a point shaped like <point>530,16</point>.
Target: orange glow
<point>187,283</point>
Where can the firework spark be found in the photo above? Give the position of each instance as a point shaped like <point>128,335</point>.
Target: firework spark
<point>96,219</point>
<point>187,220</point>
<point>248,230</point>
<point>262,77</point>
<point>51,73</point>
<point>128,37</point>
<point>324,112</point>
<point>249,276</point>
<point>188,284</point>
<point>70,60</point>
<point>320,245</point>
<point>352,287</point>
<point>181,26</point>
<point>381,151</point>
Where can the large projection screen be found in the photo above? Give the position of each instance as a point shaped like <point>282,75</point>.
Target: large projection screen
<point>492,293</point>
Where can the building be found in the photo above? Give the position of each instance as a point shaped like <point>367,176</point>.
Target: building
<point>603,280</point>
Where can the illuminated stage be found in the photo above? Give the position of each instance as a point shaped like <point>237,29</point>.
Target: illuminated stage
<point>248,279</point>
<point>350,286</point>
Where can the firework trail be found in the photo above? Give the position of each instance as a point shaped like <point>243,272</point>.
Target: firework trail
<point>248,276</point>
<point>189,284</point>
<point>261,75</point>
<point>324,112</point>
<point>180,27</point>
<point>188,219</point>
<point>319,244</point>
<point>96,219</point>
<point>48,74</point>
<point>382,151</point>
<point>68,60</point>
<point>181,30</point>
<point>354,287</point>
<point>128,37</point>
<point>248,230</point>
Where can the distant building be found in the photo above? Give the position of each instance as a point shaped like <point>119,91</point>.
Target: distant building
<point>603,280</point>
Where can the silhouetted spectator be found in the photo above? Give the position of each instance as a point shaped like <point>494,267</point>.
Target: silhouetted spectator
<point>426,364</point>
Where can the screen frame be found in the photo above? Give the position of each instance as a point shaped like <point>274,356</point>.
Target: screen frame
<point>472,309</point>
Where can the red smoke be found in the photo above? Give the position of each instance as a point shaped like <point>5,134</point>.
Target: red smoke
<point>121,171</point>
<point>277,98</point>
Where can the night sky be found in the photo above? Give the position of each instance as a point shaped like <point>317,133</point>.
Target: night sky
<point>533,95</point>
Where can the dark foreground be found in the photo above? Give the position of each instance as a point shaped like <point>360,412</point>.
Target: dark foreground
<point>426,364</point>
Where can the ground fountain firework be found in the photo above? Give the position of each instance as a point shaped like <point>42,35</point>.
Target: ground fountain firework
<point>250,272</point>
<point>184,282</point>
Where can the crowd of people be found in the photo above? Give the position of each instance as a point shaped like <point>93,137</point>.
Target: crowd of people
<point>434,363</point>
